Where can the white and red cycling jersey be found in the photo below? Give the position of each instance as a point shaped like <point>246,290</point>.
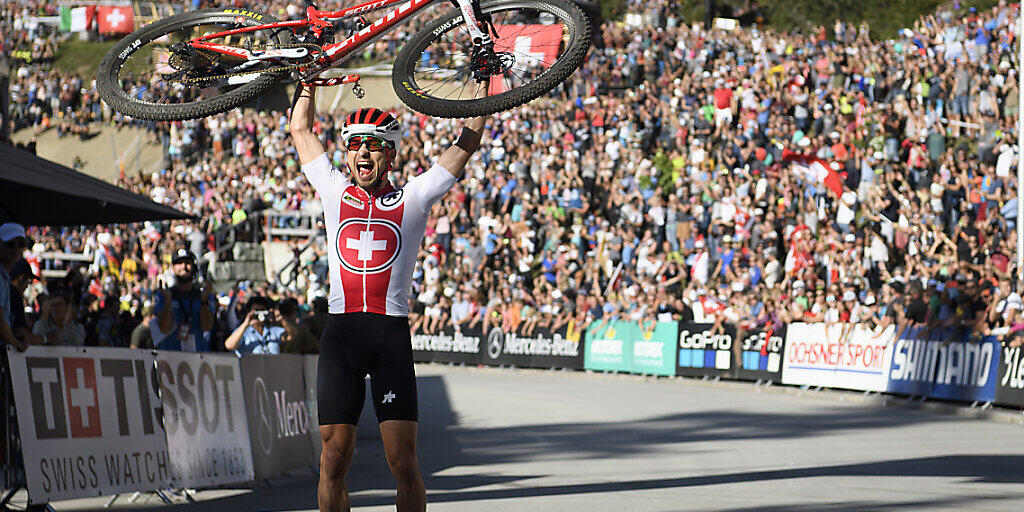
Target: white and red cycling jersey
<point>373,240</point>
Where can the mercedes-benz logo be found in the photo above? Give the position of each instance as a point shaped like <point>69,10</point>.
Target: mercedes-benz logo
<point>494,342</point>
<point>263,409</point>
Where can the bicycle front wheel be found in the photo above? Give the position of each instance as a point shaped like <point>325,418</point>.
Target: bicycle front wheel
<point>539,44</point>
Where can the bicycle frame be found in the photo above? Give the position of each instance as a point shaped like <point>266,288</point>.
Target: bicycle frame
<point>316,20</point>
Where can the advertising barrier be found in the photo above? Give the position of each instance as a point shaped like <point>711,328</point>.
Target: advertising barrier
<point>702,353</point>
<point>1011,378</point>
<point>448,346</point>
<point>309,366</point>
<point>761,354</point>
<point>818,355</point>
<point>951,365</point>
<point>653,349</point>
<point>609,346</point>
<point>204,418</point>
<point>89,420</point>
<point>279,420</point>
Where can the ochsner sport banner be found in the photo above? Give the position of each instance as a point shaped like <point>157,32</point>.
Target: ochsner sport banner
<point>89,420</point>
<point>832,356</point>
<point>204,417</point>
<point>951,364</point>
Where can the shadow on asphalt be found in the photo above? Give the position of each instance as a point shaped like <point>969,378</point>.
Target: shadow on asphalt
<point>445,444</point>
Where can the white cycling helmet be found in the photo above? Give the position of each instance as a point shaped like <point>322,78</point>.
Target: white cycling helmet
<point>374,122</point>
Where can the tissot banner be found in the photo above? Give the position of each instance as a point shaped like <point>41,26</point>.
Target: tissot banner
<point>89,420</point>
<point>204,417</point>
<point>950,364</point>
<point>278,414</point>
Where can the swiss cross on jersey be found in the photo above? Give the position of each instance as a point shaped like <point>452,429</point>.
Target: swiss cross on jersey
<point>368,246</point>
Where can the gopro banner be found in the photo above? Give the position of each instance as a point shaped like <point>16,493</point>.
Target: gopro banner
<point>90,422</point>
<point>204,417</point>
<point>838,356</point>
<point>449,346</point>
<point>609,346</point>
<point>279,419</point>
<point>761,355</point>
<point>704,353</point>
<point>951,365</point>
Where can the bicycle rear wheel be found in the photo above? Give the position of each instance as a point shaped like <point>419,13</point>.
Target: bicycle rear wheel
<point>539,44</point>
<point>154,74</point>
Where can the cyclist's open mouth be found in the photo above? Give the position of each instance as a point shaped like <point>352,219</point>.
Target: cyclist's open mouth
<point>365,169</point>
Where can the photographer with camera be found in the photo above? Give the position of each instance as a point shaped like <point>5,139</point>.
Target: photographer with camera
<point>260,332</point>
<point>184,312</point>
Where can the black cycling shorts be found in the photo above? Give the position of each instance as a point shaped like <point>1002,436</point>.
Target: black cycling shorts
<point>354,345</point>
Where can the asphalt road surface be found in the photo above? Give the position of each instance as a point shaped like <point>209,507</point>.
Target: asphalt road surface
<point>506,440</point>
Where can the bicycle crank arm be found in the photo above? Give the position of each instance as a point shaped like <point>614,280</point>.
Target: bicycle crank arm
<point>280,53</point>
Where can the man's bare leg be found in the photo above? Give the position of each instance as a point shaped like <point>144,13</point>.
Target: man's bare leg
<point>399,438</point>
<point>339,442</point>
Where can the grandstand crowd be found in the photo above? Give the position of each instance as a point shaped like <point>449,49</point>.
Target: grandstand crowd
<point>668,179</point>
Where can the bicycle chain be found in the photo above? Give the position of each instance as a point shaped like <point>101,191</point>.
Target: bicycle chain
<point>318,48</point>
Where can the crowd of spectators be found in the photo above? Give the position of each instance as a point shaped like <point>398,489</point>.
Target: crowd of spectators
<point>657,183</point>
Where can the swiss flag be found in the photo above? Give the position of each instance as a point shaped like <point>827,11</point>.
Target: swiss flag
<point>115,19</point>
<point>530,45</point>
<point>711,305</point>
<point>817,169</point>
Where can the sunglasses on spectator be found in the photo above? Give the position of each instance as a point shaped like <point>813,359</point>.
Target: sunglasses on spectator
<point>372,143</point>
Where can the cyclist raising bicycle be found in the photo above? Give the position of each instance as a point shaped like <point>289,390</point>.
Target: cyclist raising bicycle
<point>376,231</point>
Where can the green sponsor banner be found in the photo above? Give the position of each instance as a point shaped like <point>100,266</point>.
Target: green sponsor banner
<point>653,348</point>
<point>609,346</point>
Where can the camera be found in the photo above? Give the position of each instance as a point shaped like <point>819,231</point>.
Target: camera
<point>263,316</point>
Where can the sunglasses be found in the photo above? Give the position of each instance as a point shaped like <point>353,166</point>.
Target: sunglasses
<point>372,143</point>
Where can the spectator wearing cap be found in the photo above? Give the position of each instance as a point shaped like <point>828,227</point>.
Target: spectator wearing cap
<point>12,244</point>
<point>184,313</point>
<point>260,332</point>
<point>57,324</point>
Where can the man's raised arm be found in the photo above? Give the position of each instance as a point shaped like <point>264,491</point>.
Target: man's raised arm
<point>307,144</point>
<point>455,157</point>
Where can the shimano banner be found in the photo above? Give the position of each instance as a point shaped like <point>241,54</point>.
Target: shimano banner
<point>609,346</point>
<point>449,346</point>
<point>703,353</point>
<point>540,348</point>
<point>761,353</point>
<point>279,419</point>
<point>951,364</point>
<point>89,420</point>
<point>204,416</point>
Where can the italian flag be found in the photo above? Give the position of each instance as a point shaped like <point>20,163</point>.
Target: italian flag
<point>76,19</point>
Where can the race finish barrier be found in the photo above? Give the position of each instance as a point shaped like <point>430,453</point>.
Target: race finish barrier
<point>96,421</point>
<point>542,348</point>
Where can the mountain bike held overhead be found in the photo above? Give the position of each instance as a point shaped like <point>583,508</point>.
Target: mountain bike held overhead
<point>209,61</point>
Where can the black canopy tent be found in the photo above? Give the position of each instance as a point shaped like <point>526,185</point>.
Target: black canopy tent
<point>37,192</point>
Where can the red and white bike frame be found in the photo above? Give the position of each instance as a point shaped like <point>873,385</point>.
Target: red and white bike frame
<point>316,20</point>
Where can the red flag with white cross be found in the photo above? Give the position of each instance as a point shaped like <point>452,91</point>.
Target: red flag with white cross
<point>115,19</point>
<point>534,47</point>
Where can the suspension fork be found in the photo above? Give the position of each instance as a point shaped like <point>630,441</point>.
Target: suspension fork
<point>476,22</point>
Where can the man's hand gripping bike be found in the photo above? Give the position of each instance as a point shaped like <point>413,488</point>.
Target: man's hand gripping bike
<point>208,61</point>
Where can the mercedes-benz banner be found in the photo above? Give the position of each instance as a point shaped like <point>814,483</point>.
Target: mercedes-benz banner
<point>539,348</point>
<point>279,417</point>
<point>204,416</point>
<point>89,420</point>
